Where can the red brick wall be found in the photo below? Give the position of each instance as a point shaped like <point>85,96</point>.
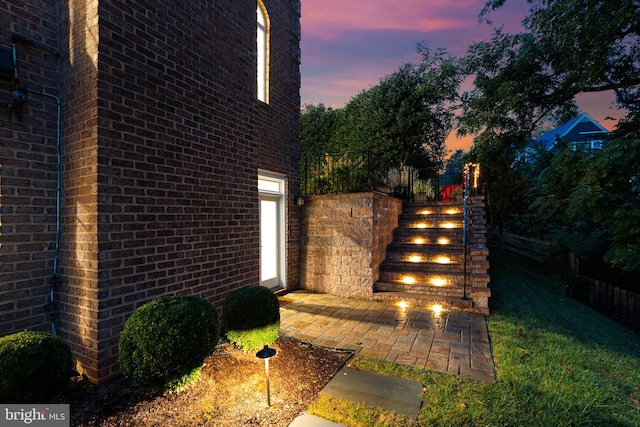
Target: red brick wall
<point>27,172</point>
<point>79,306</point>
<point>278,122</point>
<point>163,138</point>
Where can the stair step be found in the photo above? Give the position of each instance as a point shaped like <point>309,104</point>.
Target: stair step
<point>427,247</point>
<point>391,267</point>
<point>419,255</point>
<point>432,206</point>
<point>432,216</point>
<point>447,290</point>
<point>431,235</point>
<point>433,281</point>
<point>415,270</point>
<point>429,223</point>
<point>451,303</point>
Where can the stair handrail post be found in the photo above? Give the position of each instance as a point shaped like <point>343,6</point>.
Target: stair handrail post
<point>465,224</point>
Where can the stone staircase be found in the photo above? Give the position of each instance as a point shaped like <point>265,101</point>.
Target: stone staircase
<point>425,262</point>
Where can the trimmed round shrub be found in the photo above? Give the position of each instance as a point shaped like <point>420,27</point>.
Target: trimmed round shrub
<point>33,366</point>
<point>164,342</point>
<point>251,317</point>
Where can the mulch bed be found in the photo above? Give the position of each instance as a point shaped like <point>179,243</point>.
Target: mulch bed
<point>231,391</point>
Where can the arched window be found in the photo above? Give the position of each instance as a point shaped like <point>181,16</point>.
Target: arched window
<point>263,52</point>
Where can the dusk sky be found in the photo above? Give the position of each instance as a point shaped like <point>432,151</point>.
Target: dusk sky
<point>349,45</point>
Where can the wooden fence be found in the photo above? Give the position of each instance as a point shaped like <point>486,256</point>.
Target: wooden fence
<point>613,301</point>
<point>526,247</point>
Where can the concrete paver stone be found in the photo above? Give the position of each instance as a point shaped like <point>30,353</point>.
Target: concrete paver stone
<point>456,343</point>
<point>389,393</point>
<point>308,420</point>
<point>451,342</point>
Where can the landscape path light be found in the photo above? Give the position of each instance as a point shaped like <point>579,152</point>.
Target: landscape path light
<point>266,353</point>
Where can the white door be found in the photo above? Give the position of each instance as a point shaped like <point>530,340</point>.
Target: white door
<point>272,250</point>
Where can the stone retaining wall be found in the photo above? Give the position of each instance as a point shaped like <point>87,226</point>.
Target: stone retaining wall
<point>480,291</point>
<point>344,241</point>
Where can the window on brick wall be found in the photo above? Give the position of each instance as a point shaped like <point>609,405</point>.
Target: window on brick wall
<point>263,52</point>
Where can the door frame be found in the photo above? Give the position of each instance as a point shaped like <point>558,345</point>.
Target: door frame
<point>273,186</point>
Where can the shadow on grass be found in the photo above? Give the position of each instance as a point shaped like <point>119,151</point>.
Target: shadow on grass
<point>537,297</point>
<point>558,361</point>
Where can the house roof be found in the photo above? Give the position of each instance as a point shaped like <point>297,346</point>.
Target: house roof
<point>582,128</point>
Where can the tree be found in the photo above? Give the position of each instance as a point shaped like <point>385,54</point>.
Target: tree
<point>402,121</point>
<point>318,129</point>
<point>585,46</point>
<point>570,47</point>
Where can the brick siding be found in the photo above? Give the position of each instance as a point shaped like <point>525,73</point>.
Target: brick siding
<point>27,174</point>
<point>163,138</point>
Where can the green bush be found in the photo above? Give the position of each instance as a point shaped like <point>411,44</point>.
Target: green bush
<point>251,317</point>
<point>164,342</point>
<point>34,366</point>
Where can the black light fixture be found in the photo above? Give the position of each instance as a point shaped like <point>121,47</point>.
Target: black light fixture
<point>266,353</point>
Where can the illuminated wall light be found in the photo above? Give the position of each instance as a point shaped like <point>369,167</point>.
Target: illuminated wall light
<point>408,280</point>
<point>438,281</point>
<point>443,241</point>
<point>415,258</point>
<point>419,241</point>
<point>443,260</point>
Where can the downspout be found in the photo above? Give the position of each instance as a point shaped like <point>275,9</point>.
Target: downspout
<point>19,96</point>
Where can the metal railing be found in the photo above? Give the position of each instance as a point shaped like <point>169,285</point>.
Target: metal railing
<point>339,173</point>
<point>359,171</point>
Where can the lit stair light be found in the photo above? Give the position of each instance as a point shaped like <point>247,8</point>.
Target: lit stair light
<point>452,211</point>
<point>415,258</point>
<point>408,280</point>
<point>425,212</point>
<point>443,260</point>
<point>419,241</point>
<point>448,225</point>
<point>403,305</point>
<point>437,309</point>
<point>443,241</point>
<point>421,225</point>
<point>438,281</point>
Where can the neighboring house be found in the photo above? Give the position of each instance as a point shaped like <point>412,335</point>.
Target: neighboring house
<point>146,149</point>
<point>582,132</point>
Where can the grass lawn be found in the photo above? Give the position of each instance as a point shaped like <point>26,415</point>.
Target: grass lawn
<point>558,363</point>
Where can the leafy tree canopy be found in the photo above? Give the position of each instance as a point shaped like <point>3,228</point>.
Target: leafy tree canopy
<point>319,125</point>
<point>568,47</point>
<point>404,120</point>
<point>523,82</point>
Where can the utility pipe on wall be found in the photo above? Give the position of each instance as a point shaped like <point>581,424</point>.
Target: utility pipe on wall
<point>19,95</point>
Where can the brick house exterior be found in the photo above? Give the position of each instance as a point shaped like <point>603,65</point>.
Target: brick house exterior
<point>161,138</point>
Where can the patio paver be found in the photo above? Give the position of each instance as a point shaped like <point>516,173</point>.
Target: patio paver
<point>450,342</point>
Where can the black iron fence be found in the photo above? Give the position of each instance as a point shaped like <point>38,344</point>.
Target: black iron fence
<point>359,171</point>
<point>349,172</point>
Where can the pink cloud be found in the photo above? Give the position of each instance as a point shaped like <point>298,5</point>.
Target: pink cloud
<point>327,19</point>
<point>349,45</point>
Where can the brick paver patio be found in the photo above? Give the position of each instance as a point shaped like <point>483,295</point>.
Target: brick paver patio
<point>452,342</point>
